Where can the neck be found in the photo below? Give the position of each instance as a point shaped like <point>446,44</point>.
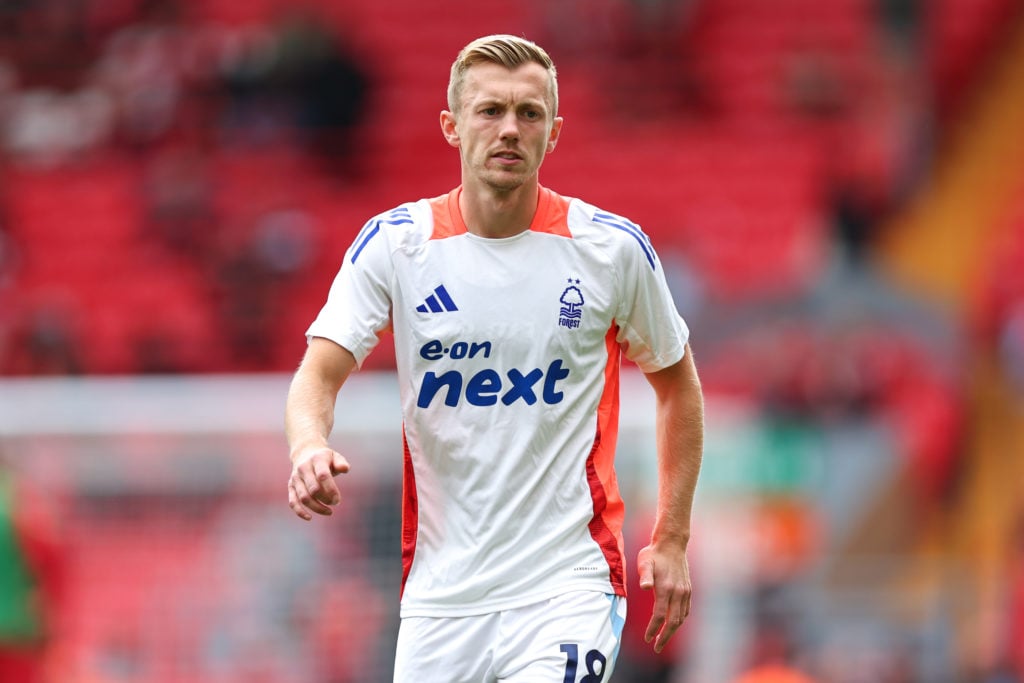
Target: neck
<point>489,212</point>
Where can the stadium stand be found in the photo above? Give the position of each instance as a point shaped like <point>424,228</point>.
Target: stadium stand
<point>749,221</point>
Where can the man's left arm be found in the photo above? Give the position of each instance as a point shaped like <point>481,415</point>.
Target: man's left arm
<point>663,565</point>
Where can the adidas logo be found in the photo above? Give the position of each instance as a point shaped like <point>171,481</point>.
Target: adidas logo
<point>438,302</point>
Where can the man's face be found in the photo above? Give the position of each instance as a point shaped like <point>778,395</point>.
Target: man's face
<point>504,125</point>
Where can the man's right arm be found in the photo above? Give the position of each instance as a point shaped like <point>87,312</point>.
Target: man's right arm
<point>309,419</point>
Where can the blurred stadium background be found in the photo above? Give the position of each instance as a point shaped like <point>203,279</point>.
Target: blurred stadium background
<point>836,188</point>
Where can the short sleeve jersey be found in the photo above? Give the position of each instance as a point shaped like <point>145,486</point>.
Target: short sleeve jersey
<point>507,356</point>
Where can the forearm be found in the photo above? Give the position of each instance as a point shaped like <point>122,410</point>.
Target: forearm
<point>309,409</point>
<point>662,564</point>
<point>680,446</point>
<point>309,412</point>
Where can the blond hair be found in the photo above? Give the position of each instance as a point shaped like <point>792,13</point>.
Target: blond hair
<point>507,50</point>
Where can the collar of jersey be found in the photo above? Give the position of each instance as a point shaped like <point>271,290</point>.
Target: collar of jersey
<point>550,217</point>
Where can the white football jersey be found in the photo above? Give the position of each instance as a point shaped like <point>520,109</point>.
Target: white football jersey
<point>507,356</point>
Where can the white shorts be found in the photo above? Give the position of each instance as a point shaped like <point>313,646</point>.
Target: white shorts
<point>573,638</point>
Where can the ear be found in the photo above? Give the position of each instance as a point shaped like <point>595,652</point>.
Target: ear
<point>448,128</point>
<point>556,130</point>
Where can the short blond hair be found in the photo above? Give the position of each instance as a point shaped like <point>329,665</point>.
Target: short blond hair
<point>507,50</point>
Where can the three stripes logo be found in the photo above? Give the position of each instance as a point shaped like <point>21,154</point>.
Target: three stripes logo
<point>438,302</point>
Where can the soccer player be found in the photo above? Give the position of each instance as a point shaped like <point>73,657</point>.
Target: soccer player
<point>510,306</point>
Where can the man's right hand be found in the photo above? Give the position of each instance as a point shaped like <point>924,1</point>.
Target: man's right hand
<point>311,486</point>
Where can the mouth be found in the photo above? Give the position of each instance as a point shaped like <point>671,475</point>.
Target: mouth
<point>506,157</point>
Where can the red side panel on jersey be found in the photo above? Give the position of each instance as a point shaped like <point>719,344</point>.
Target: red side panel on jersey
<point>551,216</point>
<point>410,513</point>
<point>609,510</point>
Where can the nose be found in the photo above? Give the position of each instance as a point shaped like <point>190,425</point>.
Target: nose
<point>509,126</point>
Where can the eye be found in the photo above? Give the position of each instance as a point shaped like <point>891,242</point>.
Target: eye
<point>489,111</point>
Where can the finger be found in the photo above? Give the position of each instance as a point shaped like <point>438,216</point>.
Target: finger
<point>654,626</point>
<point>657,617</point>
<point>673,620</point>
<point>305,498</point>
<point>339,465</point>
<point>327,490</point>
<point>306,474</point>
<point>678,611</point>
<point>297,507</point>
<point>646,569</point>
<point>666,633</point>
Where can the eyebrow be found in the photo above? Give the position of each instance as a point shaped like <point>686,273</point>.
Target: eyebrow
<point>489,101</point>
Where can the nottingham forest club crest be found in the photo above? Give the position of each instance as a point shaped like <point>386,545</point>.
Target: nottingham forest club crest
<point>571,312</point>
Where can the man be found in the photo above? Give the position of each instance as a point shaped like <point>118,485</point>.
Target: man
<point>31,578</point>
<point>510,306</point>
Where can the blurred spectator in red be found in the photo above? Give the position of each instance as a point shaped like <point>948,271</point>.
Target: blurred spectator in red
<point>657,27</point>
<point>252,268</point>
<point>43,342</point>
<point>49,39</point>
<point>773,673</point>
<point>855,217</point>
<point>9,251</point>
<point>901,25</point>
<point>772,655</point>
<point>332,89</point>
<point>49,127</point>
<point>142,69</point>
<point>357,609</point>
<point>813,85</point>
<point>300,79</point>
<point>598,22</point>
<point>179,200</point>
<point>31,578</point>
<point>47,113</point>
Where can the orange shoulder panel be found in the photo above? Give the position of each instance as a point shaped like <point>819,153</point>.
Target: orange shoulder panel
<point>552,214</point>
<point>447,217</point>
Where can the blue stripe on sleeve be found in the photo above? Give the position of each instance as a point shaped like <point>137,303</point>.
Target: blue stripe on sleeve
<point>361,244</point>
<point>399,216</point>
<point>630,228</point>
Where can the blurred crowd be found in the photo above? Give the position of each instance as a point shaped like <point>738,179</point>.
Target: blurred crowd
<point>98,90</point>
<point>78,76</point>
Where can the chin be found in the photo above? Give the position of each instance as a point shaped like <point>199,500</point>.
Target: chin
<point>507,180</point>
